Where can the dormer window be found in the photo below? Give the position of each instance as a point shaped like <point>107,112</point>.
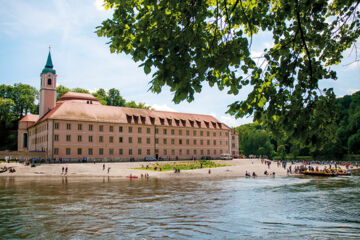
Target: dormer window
<point>49,81</point>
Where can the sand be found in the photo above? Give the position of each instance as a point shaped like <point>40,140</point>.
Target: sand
<point>235,168</point>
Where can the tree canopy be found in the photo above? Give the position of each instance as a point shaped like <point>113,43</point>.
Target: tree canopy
<point>188,43</point>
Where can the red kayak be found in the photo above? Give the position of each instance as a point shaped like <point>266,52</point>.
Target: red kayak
<point>131,176</point>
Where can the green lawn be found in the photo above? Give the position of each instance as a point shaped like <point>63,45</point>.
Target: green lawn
<point>188,165</point>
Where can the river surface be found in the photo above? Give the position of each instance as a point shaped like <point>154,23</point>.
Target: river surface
<point>240,208</point>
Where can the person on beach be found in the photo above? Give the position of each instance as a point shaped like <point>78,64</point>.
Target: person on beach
<point>254,174</point>
<point>103,166</point>
<point>66,170</point>
<point>109,169</point>
<point>209,171</point>
<point>247,174</point>
<point>62,172</point>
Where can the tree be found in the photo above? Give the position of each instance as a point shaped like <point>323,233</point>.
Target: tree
<point>114,98</point>
<point>80,90</point>
<point>101,96</point>
<point>6,109</point>
<point>61,90</point>
<point>186,43</point>
<point>133,104</point>
<point>24,97</point>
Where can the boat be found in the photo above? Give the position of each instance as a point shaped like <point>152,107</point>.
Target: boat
<point>319,173</point>
<point>131,176</point>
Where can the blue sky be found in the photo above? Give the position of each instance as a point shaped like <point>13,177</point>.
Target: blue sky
<point>81,59</point>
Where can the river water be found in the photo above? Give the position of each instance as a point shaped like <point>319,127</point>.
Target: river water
<point>114,208</point>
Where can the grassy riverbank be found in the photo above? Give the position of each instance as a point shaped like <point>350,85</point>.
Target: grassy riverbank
<point>188,165</point>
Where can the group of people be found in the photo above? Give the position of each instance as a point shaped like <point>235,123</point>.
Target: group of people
<point>108,170</point>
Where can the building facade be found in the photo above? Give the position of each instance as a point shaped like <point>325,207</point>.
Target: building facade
<point>78,126</point>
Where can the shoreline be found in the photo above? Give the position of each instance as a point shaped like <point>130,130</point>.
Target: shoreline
<point>235,168</point>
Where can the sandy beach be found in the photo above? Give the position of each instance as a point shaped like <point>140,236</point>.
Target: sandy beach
<point>235,168</point>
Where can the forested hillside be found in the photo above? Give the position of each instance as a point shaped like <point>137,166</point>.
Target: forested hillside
<point>254,139</point>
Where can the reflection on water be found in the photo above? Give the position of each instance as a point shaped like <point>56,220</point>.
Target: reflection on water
<point>113,208</point>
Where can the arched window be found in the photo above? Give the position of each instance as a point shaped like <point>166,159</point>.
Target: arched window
<point>49,81</point>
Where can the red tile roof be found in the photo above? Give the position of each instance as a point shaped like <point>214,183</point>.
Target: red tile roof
<point>30,118</point>
<point>79,96</point>
<point>111,114</point>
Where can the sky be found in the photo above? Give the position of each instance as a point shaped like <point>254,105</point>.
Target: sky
<point>82,59</point>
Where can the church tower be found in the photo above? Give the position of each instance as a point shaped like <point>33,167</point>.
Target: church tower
<point>47,88</point>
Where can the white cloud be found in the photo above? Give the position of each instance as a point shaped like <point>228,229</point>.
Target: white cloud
<point>352,90</point>
<point>163,107</point>
<point>232,122</point>
<point>99,4</point>
<point>353,65</point>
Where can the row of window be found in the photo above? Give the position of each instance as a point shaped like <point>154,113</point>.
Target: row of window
<point>139,151</point>
<point>139,130</point>
<point>139,140</point>
<point>39,139</point>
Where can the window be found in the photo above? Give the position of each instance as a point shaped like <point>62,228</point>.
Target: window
<point>79,150</point>
<point>201,142</point>
<point>56,151</point>
<point>172,141</point>
<point>201,133</point>
<point>101,128</point>
<point>56,126</point>
<point>111,129</point>
<point>180,141</point>
<point>208,151</point>
<point>79,138</point>
<point>215,151</point>
<point>120,129</point>
<point>172,152</point>
<point>111,139</point>
<point>220,142</point>
<point>165,152</point>
<point>90,127</point>
<point>90,138</point>
<point>101,138</point>
<point>130,151</point>
<point>194,151</point>
<point>156,141</point>
<point>156,131</point>
<point>208,142</point>
<point>164,141</point>
<point>148,152</point>
<point>90,151</point>
<point>187,132</point>
<point>187,151</point>
<point>120,151</point>
<point>139,151</point>
<point>164,131</point>
<point>214,134</point>
<point>139,140</point>
<point>172,131</point>
<point>226,143</point>
<point>221,151</point>
<point>68,126</point>
<point>56,137</point>
<point>194,133</point>
<point>208,133</point>
<point>220,135</point>
<point>120,139</point>
<point>148,130</point>
<point>79,126</point>
<point>139,129</point>
<point>130,129</point>
<point>180,132</point>
<point>201,152</point>
<point>130,139</point>
<point>187,141</point>
<point>68,138</point>
<point>111,151</point>
<point>68,151</point>
<point>194,141</point>
<point>180,152</point>
<point>214,142</point>
<point>49,81</point>
<point>148,140</point>
<point>101,151</point>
